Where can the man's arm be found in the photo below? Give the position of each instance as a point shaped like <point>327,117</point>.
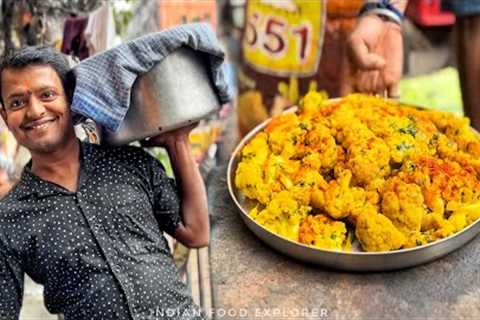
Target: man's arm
<point>194,230</point>
<point>11,286</point>
<point>375,50</point>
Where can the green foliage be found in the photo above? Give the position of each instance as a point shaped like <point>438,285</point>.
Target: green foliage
<point>439,90</point>
<point>122,18</point>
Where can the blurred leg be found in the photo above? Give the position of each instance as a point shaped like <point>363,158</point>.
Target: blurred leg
<point>468,55</point>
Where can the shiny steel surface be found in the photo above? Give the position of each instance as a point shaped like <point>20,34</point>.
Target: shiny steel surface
<point>173,94</point>
<point>350,261</point>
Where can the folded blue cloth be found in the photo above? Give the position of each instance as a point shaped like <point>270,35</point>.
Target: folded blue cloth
<point>104,81</point>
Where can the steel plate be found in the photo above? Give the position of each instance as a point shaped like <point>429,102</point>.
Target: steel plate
<point>349,261</point>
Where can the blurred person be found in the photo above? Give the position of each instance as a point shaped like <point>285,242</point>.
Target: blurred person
<point>290,47</point>
<point>467,47</point>
<point>87,221</point>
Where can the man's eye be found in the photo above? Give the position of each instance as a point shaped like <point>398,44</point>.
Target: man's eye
<point>17,103</point>
<point>48,95</point>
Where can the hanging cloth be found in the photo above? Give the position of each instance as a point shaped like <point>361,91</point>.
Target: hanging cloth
<point>100,30</point>
<point>74,42</point>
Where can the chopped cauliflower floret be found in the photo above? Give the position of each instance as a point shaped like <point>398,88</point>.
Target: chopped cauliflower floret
<point>377,233</point>
<point>323,232</point>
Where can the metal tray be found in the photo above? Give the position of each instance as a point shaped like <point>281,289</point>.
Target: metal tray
<point>354,260</point>
<point>176,92</point>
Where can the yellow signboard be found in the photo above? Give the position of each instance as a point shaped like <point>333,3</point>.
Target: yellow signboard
<point>284,37</point>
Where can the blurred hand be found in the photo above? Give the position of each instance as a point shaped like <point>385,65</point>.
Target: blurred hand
<point>168,139</point>
<point>375,54</point>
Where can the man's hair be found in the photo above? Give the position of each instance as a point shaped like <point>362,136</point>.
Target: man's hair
<point>35,55</point>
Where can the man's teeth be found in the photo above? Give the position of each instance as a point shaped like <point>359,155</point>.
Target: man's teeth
<point>41,126</point>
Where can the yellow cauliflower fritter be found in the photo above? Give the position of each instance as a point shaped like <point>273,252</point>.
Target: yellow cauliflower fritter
<point>376,232</point>
<point>402,203</point>
<point>368,160</point>
<point>339,199</point>
<point>282,215</point>
<point>323,232</point>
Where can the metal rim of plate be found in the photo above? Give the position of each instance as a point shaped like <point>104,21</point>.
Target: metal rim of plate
<point>357,261</point>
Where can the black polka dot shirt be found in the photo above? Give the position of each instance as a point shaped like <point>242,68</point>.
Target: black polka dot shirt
<point>99,252</point>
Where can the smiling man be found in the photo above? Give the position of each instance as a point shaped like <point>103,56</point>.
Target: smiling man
<point>87,221</point>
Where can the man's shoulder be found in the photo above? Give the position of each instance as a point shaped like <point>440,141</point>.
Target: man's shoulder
<point>121,152</point>
<point>129,156</point>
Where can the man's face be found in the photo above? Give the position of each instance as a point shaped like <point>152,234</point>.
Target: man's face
<point>35,108</point>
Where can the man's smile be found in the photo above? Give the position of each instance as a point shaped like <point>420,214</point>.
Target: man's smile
<point>39,124</point>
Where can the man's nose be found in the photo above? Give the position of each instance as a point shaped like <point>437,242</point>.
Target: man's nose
<point>36,108</point>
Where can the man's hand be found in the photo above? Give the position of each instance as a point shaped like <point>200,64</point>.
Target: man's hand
<point>375,53</point>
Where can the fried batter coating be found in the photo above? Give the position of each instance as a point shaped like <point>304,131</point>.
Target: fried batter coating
<point>282,215</point>
<point>323,232</point>
<point>376,232</point>
<point>402,203</point>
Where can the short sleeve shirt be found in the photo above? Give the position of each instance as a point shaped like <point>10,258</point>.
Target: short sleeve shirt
<point>99,252</point>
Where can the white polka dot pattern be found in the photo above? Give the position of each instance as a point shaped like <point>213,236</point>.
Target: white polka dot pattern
<point>99,252</point>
